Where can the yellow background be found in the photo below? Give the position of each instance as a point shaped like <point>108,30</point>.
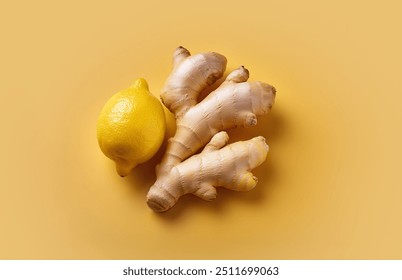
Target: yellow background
<point>330,188</point>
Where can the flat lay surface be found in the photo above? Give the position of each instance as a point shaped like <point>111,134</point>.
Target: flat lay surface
<point>331,186</point>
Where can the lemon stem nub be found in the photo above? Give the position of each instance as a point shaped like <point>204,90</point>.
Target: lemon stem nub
<point>140,83</point>
<point>124,169</point>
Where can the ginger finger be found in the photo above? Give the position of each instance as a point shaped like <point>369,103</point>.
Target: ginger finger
<point>200,174</point>
<point>190,75</point>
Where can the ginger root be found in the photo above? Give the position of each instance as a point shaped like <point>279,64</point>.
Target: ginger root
<point>191,74</point>
<point>215,166</point>
<point>235,102</point>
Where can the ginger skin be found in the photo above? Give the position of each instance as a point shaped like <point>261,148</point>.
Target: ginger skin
<point>234,103</point>
<point>216,166</point>
<point>190,75</point>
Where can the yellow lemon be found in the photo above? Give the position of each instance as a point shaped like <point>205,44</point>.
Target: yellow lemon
<point>131,127</point>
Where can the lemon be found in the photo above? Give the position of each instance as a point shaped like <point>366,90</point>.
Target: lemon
<point>131,127</point>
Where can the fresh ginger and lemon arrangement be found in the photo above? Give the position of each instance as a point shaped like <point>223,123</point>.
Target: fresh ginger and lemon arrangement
<point>131,129</point>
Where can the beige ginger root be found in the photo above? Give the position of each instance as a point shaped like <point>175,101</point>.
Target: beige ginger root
<point>215,166</point>
<point>190,75</point>
<point>235,102</point>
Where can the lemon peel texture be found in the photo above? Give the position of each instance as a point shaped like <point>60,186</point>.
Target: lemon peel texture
<point>131,127</point>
